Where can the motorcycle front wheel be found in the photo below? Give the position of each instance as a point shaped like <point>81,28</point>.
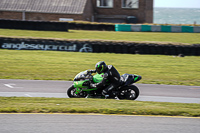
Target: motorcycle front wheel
<point>71,92</point>
<point>129,92</point>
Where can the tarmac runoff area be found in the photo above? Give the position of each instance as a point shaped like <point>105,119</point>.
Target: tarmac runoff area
<point>148,92</point>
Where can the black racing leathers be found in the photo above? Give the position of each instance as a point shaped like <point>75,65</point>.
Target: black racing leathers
<point>113,76</point>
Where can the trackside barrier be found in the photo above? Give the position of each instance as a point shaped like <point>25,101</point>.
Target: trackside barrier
<point>98,46</point>
<point>156,28</point>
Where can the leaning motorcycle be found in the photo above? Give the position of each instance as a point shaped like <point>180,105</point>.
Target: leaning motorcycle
<point>81,86</point>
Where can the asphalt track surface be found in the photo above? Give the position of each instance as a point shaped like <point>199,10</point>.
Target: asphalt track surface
<point>70,123</point>
<point>87,123</point>
<point>148,92</point>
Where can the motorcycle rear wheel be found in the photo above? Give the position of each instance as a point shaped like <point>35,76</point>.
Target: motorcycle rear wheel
<point>129,92</point>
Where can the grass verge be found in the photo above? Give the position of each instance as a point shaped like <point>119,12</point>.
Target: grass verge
<point>54,65</point>
<point>100,106</point>
<point>188,38</point>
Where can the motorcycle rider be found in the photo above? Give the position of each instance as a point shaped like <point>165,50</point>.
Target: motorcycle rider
<point>110,74</point>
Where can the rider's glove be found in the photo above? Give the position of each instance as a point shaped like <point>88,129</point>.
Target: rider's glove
<point>93,86</point>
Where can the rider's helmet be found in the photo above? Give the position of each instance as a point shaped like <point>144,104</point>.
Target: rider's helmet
<point>101,67</point>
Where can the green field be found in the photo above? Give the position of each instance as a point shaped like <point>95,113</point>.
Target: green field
<point>100,106</point>
<point>54,65</point>
<point>155,37</point>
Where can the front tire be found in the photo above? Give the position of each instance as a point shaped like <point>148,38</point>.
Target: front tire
<point>129,92</point>
<point>71,92</point>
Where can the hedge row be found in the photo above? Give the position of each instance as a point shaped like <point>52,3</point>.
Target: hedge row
<point>34,25</point>
<point>99,27</point>
<point>53,26</point>
<point>115,47</point>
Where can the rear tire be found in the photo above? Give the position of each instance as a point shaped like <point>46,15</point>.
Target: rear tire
<point>129,92</point>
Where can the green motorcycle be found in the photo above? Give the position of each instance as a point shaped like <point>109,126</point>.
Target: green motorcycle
<point>81,86</point>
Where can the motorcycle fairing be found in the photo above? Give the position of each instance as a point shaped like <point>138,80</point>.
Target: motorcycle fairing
<point>98,78</point>
<point>128,79</point>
